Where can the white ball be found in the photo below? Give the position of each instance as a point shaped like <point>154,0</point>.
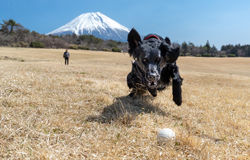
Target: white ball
<point>165,135</point>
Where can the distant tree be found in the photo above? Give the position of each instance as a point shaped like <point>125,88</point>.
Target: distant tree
<point>90,39</point>
<point>184,47</point>
<point>201,47</point>
<point>112,43</point>
<point>4,27</point>
<point>223,48</point>
<point>208,48</point>
<point>244,47</point>
<point>214,49</point>
<point>55,36</point>
<point>21,33</point>
<point>34,36</point>
<point>248,52</point>
<point>237,46</point>
<point>205,49</point>
<point>13,24</point>
<point>229,47</point>
<point>191,47</point>
<point>234,51</point>
<point>9,26</point>
<point>74,38</point>
<point>175,44</point>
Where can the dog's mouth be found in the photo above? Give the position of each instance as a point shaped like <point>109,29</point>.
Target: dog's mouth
<point>152,84</point>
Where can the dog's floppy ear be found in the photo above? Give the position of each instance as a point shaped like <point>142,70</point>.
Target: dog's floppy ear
<point>134,40</point>
<point>171,54</point>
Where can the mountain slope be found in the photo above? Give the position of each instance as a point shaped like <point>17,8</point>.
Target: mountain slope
<point>94,23</point>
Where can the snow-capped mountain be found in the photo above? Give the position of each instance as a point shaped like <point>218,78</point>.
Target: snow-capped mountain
<point>94,23</point>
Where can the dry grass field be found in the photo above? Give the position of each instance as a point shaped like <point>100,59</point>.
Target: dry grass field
<point>80,111</point>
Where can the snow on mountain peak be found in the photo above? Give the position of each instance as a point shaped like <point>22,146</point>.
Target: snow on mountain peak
<point>94,23</point>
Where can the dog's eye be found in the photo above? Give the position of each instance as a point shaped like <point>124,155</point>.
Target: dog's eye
<point>158,60</point>
<point>145,60</point>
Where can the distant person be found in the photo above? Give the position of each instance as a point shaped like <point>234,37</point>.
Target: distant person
<point>66,57</point>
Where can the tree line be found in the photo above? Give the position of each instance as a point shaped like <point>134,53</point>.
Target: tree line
<point>14,34</point>
<point>237,50</point>
<point>206,50</point>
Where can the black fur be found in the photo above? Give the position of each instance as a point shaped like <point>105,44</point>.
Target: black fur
<point>154,65</point>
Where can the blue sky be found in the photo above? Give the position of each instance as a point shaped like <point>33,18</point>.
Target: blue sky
<point>219,21</point>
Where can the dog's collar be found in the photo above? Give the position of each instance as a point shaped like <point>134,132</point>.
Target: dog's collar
<point>152,36</point>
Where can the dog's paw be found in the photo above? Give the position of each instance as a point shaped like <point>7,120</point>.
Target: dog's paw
<point>177,100</point>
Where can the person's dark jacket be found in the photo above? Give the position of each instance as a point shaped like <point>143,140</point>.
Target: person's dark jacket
<point>66,55</point>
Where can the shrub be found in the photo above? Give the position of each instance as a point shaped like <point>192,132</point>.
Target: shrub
<point>79,47</point>
<point>112,44</point>
<point>73,47</point>
<point>83,48</point>
<point>105,49</point>
<point>198,55</point>
<point>20,44</point>
<point>182,54</point>
<point>223,56</point>
<point>206,55</point>
<point>116,49</point>
<point>188,54</point>
<point>231,55</point>
<point>23,44</point>
<point>37,44</point>
<point>16,45</point>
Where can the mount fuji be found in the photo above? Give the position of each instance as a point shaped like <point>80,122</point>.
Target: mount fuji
<point>94,23</point>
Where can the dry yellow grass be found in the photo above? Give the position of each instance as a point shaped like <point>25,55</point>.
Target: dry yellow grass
<point>52,111</point>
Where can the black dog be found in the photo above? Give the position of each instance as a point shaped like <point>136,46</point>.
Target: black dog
<point>154,65</point>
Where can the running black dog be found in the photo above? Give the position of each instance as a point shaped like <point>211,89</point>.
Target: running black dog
<point>154,65</point>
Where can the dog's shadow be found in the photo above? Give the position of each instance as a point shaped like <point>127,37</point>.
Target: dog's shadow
<point>125,109</point>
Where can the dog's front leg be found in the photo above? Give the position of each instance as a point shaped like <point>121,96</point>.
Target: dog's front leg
<point>135,82</point>
<point>176,85</point>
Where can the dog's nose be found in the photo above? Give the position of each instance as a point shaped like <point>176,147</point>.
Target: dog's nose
<point>152,76</point>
